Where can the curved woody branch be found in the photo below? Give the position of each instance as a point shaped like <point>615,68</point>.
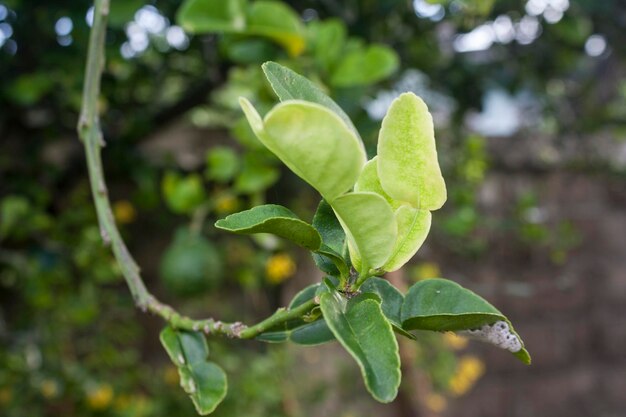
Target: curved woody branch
<point>90,134</point>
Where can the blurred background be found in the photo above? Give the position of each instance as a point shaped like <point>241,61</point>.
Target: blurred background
<point>529,102</point>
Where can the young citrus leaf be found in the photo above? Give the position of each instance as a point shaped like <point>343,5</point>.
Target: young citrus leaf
<point>200,16</point>
<point>204,381</point>
<point>391,302</point>
<point>407,156</point>
<point>370,226</point>
<point>365,66</point>
<point>278,22</point>
<point>315,144</point>
<point>413,227</point>
<point>289,85</point>
<point>443,305</point>
<point>363,330</point>
<point>369,181</point>
<point>206,385</point>
<point>333,238</point>
<point>274,219</point>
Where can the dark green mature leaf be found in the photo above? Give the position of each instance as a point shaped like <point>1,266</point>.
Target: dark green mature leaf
<point>206,385</point>
<point>199,16</point>
<point>333,238</point>
<point>204,381</point>
<point>392,300</point>
<point>363,330</point>
<point>443,305</point>
<point>274,219</point>
<point>289,85</point>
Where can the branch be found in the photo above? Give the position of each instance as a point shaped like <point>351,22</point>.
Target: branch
<point>91,135</point>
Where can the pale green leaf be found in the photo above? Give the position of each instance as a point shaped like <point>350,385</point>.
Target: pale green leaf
<point>313,142</point>
<point>369,181</point>
<point>413,227</point>
<point>365,66</point>
<point>201,16</point>
<point>363,330</point>
<point>206,385</point>
<point>370,226</point>
<point>275,219</point>
<point>407,155</point>
<point>289,85</point>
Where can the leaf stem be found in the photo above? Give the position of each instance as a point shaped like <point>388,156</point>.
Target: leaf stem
<point>91,135</point>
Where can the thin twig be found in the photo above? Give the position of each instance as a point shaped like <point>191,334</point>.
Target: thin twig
<point>90,134</point>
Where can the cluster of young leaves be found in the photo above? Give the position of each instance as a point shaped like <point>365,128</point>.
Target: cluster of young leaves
<point>373,217</point>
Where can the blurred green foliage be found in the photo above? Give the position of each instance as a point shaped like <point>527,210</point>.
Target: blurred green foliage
<point>70,340</point>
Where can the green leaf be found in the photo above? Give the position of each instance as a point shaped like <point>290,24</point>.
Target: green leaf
<point>279,22</point>
<point>313,142</point>
<point>289,85</point>
<point>413,227</point>
<point>363,330</point>
<point>365,66</point>
<point>327,38</point>
<point>407,156</point>
<point>369,181</point>
<point>206,385</point>
<point>204,381</point>
<point>200,16</point>
<point>442,305</point>
<point>222,164</point>
<point>333,238</point>
<point>274,219</point>
<point>370,226</point>
<point>257,173</point>
<point>391,302</point>
<point>183,194</point>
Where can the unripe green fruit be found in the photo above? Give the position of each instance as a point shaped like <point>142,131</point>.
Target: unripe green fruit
<point>190,265</point>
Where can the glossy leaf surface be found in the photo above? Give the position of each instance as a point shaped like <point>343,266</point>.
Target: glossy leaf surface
<point>275,219</point>
<point>204,381</point>
<point>443,305</point>
<point>391,302</point>
<point>361,327</point>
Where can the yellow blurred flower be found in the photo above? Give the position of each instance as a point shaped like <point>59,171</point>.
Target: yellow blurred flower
<point>436,402</point>
<point>100,397</point>
<point>279,267</point>
<point>49,388</point>
<point>6,395</point>
<point>124,212</point>
<point>454,341</point>
<point>170,375</point>
<point>226,203</point>
<point>468,371</point>
<point>426,270</point>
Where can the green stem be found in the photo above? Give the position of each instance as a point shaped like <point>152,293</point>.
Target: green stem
<point>91,135</point>
<point>280,316</point>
